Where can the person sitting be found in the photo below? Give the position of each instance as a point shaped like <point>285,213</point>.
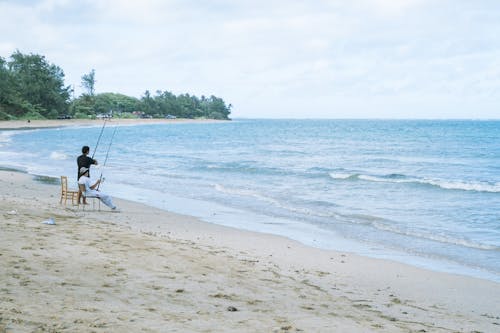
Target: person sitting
<point>90,190</point>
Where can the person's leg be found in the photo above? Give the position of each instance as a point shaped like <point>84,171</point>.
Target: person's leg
<point>106,199</point>
<point>81,196</point>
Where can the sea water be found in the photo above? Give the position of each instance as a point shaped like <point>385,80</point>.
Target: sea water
<point>424,192</point>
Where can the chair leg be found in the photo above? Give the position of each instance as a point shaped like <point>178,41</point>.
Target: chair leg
<point>93,203</point>
<point>98,204</point>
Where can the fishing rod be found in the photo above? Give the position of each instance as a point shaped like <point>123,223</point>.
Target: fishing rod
<point>99,139</point>
<point>107,153</point>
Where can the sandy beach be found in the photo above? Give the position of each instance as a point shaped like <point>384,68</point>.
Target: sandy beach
<point>148,270</point>
<point>32,124</point>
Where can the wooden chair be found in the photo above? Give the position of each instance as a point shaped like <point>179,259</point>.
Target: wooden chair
<point>81,187</point>
<point>67,194</point>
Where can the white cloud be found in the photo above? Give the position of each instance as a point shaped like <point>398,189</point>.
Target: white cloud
<point>393,7</point>
<point>274,58</point>
<point>147,12</point>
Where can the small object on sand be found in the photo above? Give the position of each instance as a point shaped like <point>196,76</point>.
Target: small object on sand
<point>12,212</point>
<point>49,221</point>
<point>231,309</point>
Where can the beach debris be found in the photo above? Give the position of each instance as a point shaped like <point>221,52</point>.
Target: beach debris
<point>231,309</point>
<point>49,221</point>
<point>12,212</point>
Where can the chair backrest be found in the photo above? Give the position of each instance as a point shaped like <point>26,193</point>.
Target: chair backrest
<point>64,184</point>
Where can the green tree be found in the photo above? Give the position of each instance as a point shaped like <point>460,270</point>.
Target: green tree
<point>117,103</point>
<point>88,82</point>
<point>183,106</point>
<point>8,95</point>
<point>32,87</point>
<point>148,103</point>
<point>215,108</point>
<point>39,85</point>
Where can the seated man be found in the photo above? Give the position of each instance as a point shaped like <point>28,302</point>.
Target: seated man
<point>90,190</point>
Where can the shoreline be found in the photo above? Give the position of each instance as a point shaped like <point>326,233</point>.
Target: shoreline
<point>191,272</point>
<point>433,264</point>
<point>6,125</point>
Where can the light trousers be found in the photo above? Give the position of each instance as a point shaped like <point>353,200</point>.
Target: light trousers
<point>106,199</point>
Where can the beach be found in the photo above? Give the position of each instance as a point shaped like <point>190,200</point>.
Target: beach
<point>33,124</point>
<point>145,269</point>
<point>150,270</point>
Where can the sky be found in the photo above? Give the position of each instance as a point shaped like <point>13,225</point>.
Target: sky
<point>435,59</point>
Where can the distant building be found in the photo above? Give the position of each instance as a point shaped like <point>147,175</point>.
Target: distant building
<point>140,114</point>
<point>104,116</point>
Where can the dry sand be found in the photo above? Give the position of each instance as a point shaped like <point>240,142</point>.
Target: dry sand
<point>148,270</point>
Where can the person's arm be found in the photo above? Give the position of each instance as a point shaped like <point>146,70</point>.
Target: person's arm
<point>95,185</point>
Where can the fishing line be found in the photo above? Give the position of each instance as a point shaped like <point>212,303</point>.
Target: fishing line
<point>99,139</point>
<point>107,153</point>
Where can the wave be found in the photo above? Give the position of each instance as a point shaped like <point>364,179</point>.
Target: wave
<point>55,155</point>
<point>465,186</point>
<point>6,137</point>
<point>476,186</point>
<point>275,202</point>
<point>436,237</point>
<point>388,225</point>
<point>243,167</point>
<point>344,175</point>
<point>378,223</point>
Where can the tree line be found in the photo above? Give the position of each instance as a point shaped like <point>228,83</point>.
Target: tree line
<point>33,88</point>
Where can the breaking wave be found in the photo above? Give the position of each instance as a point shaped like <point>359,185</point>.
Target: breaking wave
<point>443,184</point>
<point>55,155</point>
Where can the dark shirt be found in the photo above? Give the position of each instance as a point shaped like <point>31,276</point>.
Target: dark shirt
<point>84,161</point>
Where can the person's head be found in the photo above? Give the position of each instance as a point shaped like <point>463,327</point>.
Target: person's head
<point>84,172</point>
<point>85,149</point>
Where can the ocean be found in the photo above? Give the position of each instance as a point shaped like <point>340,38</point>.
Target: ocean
<point>422,192</point>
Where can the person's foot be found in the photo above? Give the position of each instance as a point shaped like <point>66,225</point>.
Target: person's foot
<point>115,209</point>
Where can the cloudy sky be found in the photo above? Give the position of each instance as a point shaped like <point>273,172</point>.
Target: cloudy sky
<point>276,58</point>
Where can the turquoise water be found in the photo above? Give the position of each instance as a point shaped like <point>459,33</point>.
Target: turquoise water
<point>422,192</point>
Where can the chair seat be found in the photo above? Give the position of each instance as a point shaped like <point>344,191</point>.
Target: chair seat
<point>82,189</point>
<point>93,197</point>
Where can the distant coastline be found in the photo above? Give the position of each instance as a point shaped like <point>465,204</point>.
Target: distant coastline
<point>49,123</point>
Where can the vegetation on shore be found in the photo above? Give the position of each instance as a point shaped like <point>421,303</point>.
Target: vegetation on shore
<point>33,88</point>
